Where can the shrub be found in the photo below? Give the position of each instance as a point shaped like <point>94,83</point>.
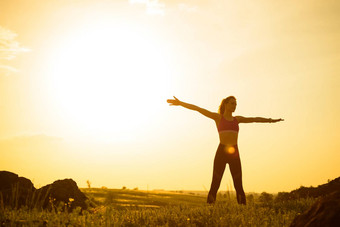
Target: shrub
<point>266,198</point>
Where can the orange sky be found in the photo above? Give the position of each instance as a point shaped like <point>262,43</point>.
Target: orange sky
<point>83,89</point>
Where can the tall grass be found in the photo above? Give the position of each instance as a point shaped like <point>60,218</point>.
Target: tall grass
<point>119,209</point>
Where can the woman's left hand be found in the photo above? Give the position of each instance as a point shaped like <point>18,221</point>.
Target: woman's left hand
<point>276,120</point>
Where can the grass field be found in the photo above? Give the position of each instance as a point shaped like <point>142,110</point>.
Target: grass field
<point>117,207</point>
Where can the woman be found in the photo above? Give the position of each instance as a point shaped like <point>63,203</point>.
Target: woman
<point>227,151</point>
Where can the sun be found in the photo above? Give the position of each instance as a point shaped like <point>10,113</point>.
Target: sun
<point>110,80</point>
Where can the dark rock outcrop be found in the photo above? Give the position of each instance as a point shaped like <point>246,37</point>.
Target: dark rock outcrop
<point>324,212</point>
<point>18,191</point>
<point>65,191</point>
<point>15,191</point>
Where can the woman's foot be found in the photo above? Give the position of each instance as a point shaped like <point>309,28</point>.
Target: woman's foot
<point>211,199</point>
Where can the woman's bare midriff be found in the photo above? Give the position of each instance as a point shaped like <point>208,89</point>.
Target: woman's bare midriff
<point>228,138</point>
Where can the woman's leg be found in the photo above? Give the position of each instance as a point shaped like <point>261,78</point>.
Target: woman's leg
<point>219,167</point>
<point>236,173</point>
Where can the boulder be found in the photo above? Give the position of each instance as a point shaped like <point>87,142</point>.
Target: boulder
<point>18,191</point>
<point>324,212</point>
<point>62,191</point>
<point>15,191</point>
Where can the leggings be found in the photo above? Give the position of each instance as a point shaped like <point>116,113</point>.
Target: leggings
<point>223,156</point>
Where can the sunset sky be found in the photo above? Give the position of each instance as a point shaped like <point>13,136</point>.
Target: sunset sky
<point>84,84</point>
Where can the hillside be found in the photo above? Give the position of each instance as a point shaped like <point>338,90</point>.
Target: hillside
<point>311,192</point>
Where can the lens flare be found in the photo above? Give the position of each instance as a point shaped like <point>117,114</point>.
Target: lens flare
<point>230,150</point>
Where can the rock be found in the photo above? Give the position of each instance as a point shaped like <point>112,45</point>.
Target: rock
<point>65,191</point>
<point>16,191</point>
<point>324,212</point>
<point>7,179</point>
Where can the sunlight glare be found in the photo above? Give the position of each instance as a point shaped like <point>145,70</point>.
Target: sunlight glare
<point>110,79</point>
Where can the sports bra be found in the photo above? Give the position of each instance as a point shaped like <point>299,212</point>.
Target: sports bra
<point>228,126</point>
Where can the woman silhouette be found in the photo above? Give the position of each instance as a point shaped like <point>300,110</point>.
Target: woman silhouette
<point>227,151</point>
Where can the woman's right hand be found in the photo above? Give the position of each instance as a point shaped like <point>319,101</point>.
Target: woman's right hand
<point>174,102</point>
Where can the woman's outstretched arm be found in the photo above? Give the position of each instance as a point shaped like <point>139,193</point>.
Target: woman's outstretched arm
<point>257,120</point>
<point>207,113</point>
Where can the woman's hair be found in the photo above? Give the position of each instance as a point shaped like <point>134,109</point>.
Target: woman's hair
<point>223,103</point>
